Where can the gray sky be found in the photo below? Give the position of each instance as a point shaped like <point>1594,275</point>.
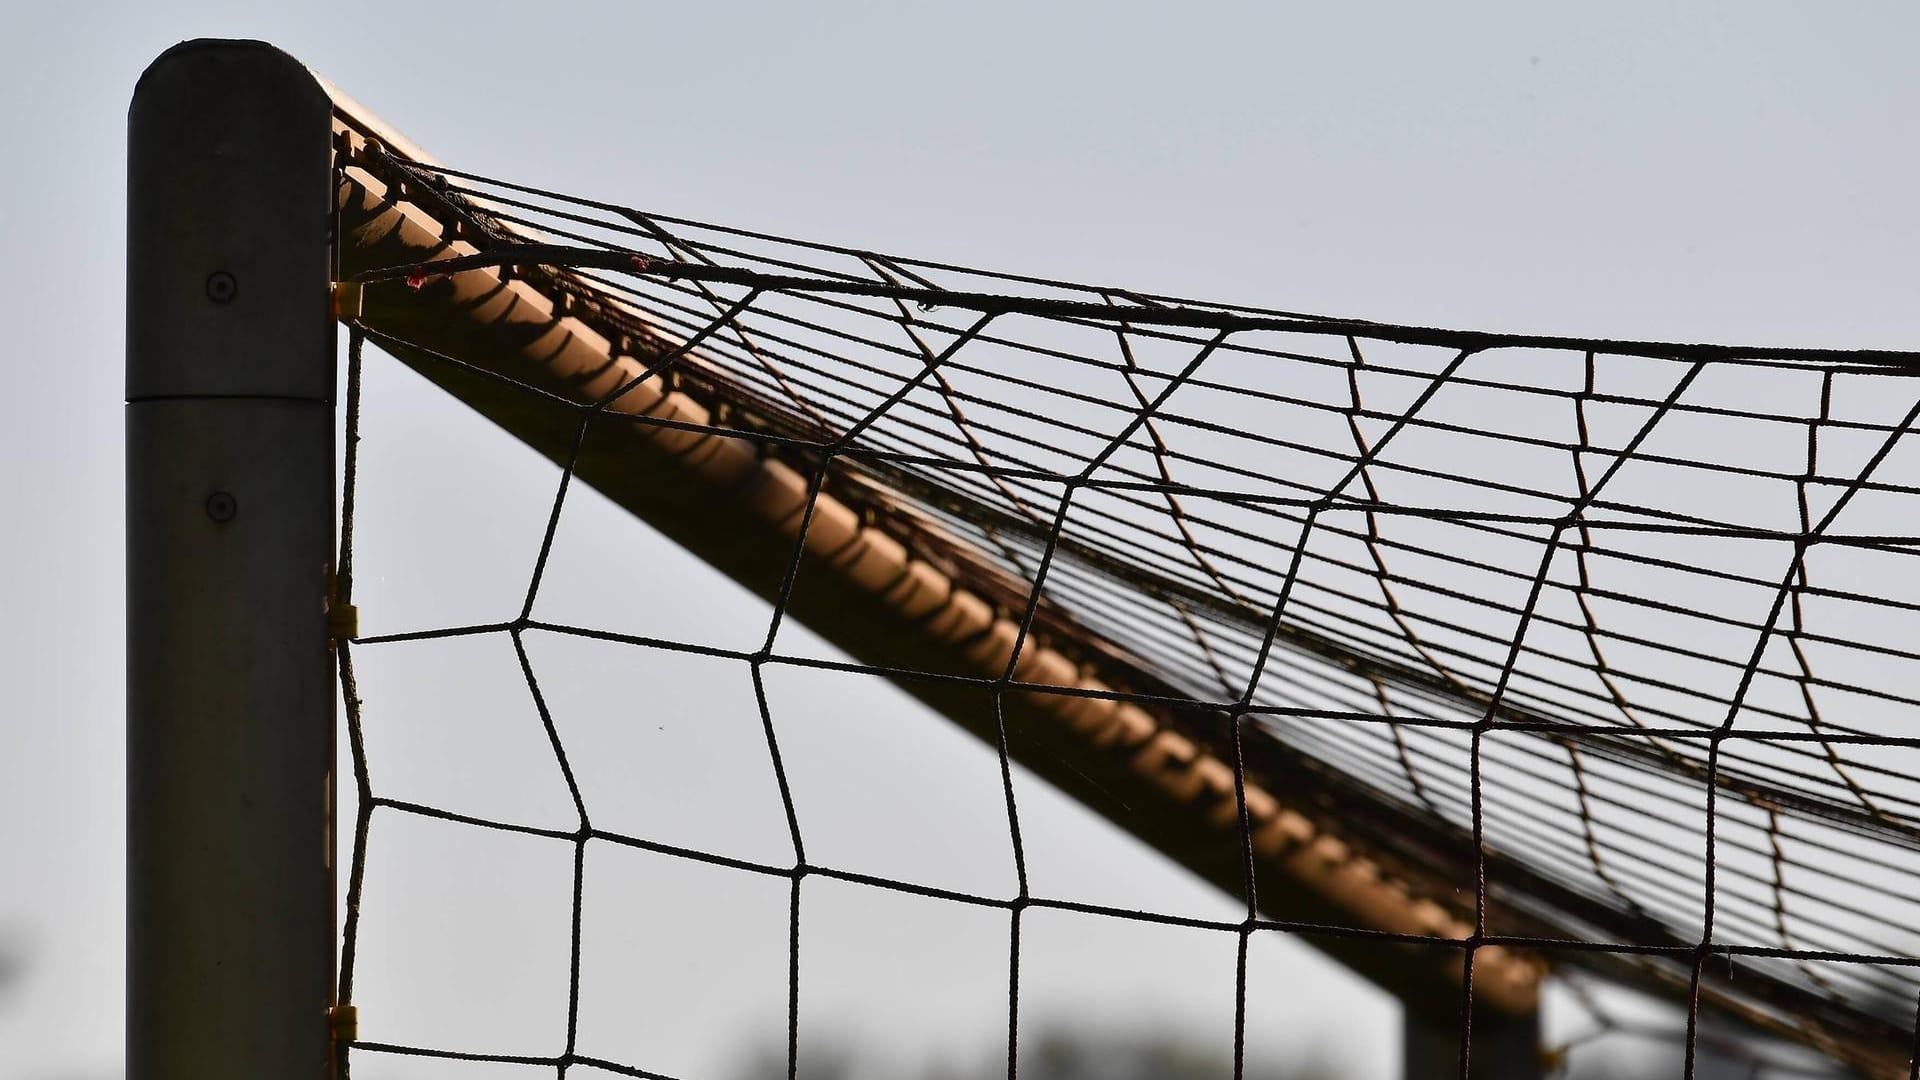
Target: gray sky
<point>1714,171</point>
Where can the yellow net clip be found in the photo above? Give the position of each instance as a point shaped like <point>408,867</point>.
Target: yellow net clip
<point>343,622</point>
<point>344,1022</point>
<point>346,299</point>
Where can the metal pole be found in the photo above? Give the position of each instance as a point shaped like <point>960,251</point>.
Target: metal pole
<point>230,436</point>
<point>1505,1047</point>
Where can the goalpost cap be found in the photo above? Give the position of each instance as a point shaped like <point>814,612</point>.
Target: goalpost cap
<point>245,128</point>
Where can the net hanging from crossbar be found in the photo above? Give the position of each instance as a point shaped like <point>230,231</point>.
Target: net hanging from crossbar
<point>1597,654</point>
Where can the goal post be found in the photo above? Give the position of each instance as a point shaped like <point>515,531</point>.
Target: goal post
<point>1440,791</point>
<point>230,509</point>
<point>241,217</point>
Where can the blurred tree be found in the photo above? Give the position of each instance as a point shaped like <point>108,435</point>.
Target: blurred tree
<point>1095,1053</point>
<point>13,961</point>
<point>1051,1053</point>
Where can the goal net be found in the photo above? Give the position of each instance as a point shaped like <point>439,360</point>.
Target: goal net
<point>1464,657</point>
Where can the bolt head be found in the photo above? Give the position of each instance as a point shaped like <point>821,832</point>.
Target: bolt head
<point>221,507</point>
<point>221,287</point>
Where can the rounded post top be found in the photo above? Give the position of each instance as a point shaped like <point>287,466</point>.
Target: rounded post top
<point>229,226</point>
<point>259,57</point>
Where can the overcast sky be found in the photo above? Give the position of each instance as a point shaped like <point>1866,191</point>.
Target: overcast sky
<point>1738,171</point>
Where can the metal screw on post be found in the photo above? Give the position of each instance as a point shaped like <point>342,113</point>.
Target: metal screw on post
<point>221,287</point>
<point>221,507</point>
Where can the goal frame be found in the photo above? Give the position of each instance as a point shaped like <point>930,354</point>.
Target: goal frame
<point>235,249</point>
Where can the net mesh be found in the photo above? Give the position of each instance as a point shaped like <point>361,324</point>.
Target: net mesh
<point>1594,654</point>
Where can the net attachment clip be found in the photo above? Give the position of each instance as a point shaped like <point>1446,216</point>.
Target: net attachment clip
<point>343,1022</point>
<point>343,622</point>
<point>347,297</point>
